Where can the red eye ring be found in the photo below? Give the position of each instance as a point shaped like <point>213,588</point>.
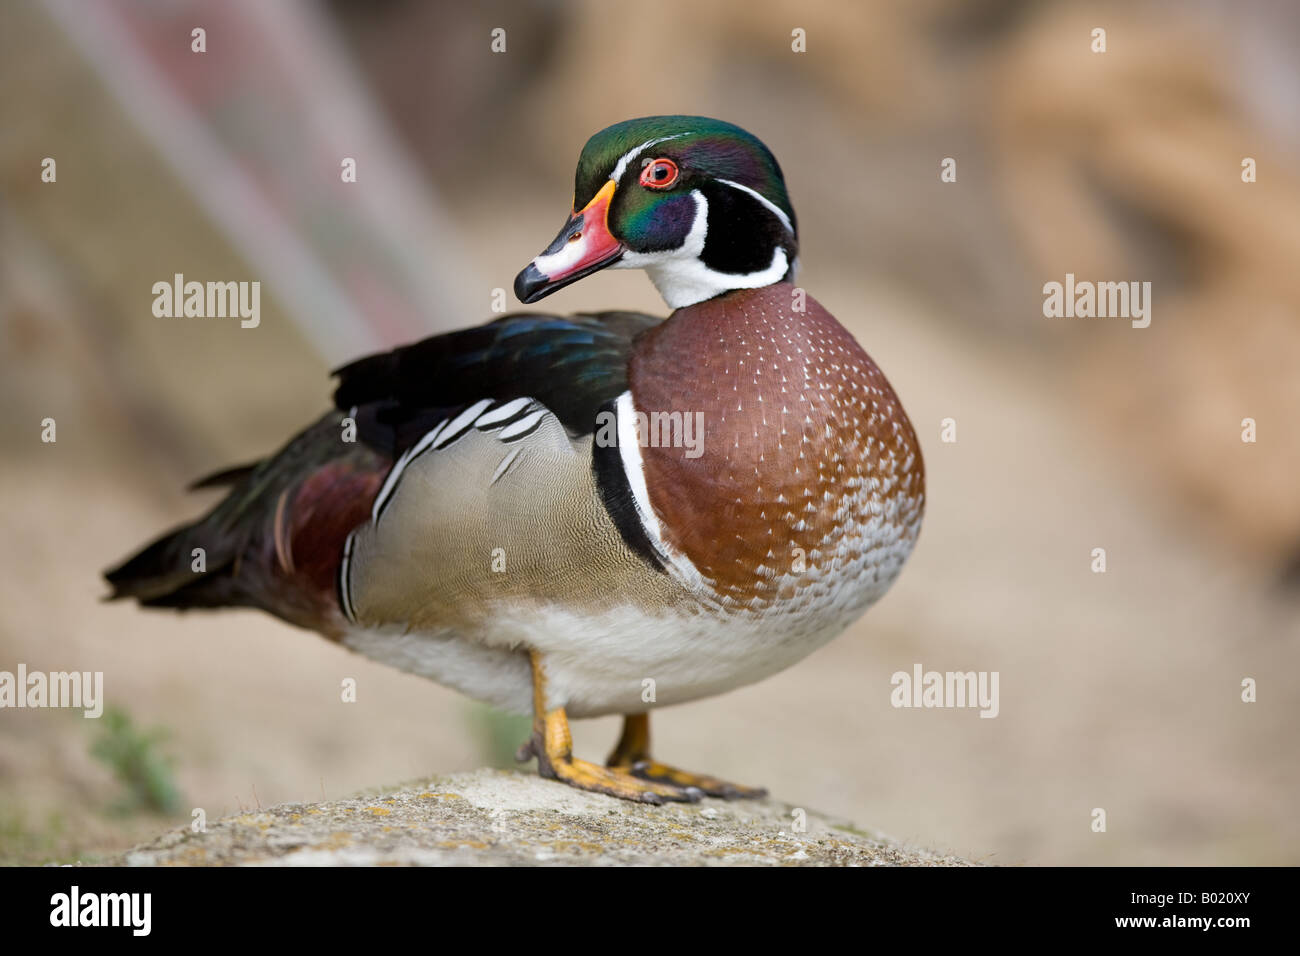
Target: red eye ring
<point>659,173</point>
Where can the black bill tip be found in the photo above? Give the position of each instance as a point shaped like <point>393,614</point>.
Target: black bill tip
<point>531,285</point>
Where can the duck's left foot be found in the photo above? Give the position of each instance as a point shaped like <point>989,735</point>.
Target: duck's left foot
<point>657,772</point>
<point>552,745</point>
<point>632,754</point>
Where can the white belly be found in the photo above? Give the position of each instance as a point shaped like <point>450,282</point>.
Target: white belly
<point>623,660</point>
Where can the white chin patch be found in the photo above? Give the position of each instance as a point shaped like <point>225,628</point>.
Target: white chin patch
<point>680,275</point>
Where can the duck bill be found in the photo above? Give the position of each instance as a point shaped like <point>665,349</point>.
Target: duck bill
<point>585,245</point>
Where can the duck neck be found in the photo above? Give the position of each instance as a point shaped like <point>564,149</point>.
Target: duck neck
<point>685,282</point>
<point>747,244</point>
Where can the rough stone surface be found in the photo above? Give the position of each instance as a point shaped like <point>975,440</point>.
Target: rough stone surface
<point>495,818</point>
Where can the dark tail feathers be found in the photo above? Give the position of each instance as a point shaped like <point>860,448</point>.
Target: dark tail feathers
<point>168,572</point>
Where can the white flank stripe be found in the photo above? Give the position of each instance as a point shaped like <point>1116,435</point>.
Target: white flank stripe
<point>462,421</point>
<point>345,587</point>
<point>396,471</point>
<point>505,463</point>
<point>502,413</point>
<point>525,423</point>
<point>445,432</point>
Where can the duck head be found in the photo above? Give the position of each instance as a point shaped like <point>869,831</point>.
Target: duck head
<point>697,203</point>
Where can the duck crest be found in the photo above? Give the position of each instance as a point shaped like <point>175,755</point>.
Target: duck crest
<point>810,475</point>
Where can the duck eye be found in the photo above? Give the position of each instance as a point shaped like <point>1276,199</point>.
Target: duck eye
<point>659,173</point>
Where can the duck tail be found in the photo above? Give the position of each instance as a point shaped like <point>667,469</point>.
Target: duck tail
<point>180,569</point>
<point>189,566</point>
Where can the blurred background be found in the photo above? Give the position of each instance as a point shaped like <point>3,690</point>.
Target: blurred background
<point>1119,690</point>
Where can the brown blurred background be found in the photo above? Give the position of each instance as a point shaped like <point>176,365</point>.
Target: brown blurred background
<point>1119,690</point>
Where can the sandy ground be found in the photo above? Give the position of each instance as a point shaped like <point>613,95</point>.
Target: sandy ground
<point>1119,691</point>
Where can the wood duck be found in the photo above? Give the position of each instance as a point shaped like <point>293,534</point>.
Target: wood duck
<point>598,513</point>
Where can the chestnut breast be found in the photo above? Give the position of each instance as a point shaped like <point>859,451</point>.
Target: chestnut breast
<point>810,474</point>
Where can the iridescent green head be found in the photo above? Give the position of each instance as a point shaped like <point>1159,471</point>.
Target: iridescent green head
<point>698,203</point>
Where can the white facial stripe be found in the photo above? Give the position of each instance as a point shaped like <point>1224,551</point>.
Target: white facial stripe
<point>621,167</point>
<point>771,206</point>
<point>683,279</point>
<point>691,248</point>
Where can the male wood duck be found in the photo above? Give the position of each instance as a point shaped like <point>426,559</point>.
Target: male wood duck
<point>523,510</point>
